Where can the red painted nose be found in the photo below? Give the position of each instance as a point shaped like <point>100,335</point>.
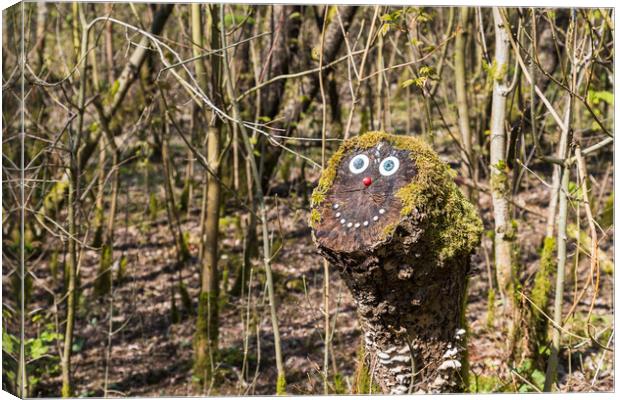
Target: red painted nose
<point>367,181</point>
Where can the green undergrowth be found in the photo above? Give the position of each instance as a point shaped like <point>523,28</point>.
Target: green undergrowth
<point>528,379</point>
<point>363,382</point>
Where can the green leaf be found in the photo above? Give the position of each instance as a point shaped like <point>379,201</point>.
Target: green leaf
<point>78,345</point>
<point>538,378</point>
<point>38,348</point>
<point>115,88</point>
<point>408,82</point>
<point>8,342</point>
<point>384,29</point>
<point>595,97</point>
<point>49,336</point>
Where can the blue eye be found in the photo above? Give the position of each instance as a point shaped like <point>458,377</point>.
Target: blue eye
<point>359,163</point>
<point>389,166</point>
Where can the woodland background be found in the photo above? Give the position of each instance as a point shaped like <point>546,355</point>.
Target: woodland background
<point>168,161</point>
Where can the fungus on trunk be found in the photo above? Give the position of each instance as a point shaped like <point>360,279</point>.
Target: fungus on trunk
<point>388,215</point>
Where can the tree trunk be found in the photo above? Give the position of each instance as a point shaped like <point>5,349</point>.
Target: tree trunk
<point>259,202</point>
<point>461,95</point>
<point>498,168</point>
<point>74,204</point>
<point>207,323</point>
<point>395,244</point>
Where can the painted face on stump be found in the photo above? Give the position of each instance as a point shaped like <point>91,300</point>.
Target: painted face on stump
<point>362,201</point>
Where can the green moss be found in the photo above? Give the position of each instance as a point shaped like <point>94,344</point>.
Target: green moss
<point>388,230</point>
<point>56,194</point>
<point>452,224</point>
<point>153,206</point>
<point>491,308</point>
<point>122,270</point>
<point>499,183</point>
<point>494,73</point>
<point>315,217</point>
<point>184,250</point>
<point>281,385</point>
<point>98,235</point>
<point>499,178</point>
<point>66,390</point>
<point>607,215</point>
<point>540,294</point>
<point>103,283</point>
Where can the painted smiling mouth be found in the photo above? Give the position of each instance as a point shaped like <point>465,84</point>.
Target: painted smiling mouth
<point>350,223</point>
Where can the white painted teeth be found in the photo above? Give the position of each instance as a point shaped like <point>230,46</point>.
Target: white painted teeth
<point>356,225</point>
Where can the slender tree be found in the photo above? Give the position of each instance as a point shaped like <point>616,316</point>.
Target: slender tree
<point>460,82</point>
<point>207,322</point>
<point>498,166</point>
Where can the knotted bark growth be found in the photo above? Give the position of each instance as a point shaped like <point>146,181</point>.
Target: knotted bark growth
<point>388,216</point>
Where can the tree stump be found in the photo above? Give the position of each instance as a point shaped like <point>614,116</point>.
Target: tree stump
<point>388,215</point>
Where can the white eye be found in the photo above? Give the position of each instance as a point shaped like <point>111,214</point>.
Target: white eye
<point>359,163</point>
<point>389,165</point>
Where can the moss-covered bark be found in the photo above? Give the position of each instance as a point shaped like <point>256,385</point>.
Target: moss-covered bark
<point>540,297</point>
<point>103,283</point>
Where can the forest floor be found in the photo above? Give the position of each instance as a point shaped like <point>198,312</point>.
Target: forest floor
<point>151,356</point>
